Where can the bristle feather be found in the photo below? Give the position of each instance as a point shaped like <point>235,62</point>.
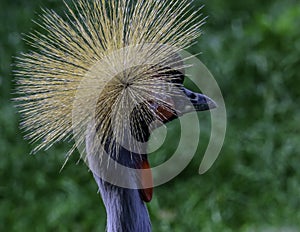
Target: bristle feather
<point>63,72</point>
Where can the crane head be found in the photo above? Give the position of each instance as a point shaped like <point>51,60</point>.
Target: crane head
<point>177,106</point>
<point>168,108</point>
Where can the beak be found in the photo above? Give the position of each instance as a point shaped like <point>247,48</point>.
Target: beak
<point>200,102</point>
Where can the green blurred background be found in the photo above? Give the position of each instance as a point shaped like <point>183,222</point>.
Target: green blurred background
<point>253,49</point>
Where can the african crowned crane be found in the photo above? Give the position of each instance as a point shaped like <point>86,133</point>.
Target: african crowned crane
<point>102,78</point>
<point>125,207</point>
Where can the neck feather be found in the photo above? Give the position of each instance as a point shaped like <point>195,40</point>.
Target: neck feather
<point>126,212</point>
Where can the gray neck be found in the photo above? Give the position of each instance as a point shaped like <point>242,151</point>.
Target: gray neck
<point>126,212</point>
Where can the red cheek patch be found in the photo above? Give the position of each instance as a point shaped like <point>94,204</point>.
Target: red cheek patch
<point>146,180</point>
<point>166,112</point>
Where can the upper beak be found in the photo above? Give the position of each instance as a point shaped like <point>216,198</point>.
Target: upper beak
<point>200,102</point>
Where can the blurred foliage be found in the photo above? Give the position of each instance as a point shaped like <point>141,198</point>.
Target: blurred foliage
<point>252,48</point>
